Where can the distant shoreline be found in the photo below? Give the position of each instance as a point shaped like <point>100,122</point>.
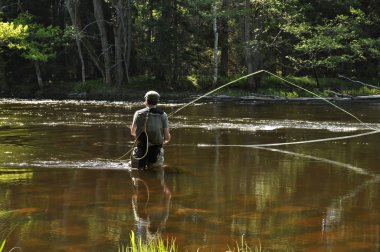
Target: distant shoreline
<point>268,98</point>
<point>137,95</point>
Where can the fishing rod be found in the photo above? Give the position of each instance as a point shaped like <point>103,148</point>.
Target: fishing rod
<point>374,130</point>
<point>213,91</point>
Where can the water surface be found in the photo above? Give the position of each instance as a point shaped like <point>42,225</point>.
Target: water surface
<point>63,187</point>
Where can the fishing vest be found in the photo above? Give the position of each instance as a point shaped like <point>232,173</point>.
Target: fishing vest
<point>155,120</point>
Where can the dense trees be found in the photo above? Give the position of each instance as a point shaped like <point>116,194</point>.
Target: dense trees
<point>344,42</point>
<point>181,41</point>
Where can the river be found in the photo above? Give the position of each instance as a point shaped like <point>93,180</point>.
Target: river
<point>64,187</point>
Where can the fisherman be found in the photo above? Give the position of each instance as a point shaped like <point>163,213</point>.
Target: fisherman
<point>150,128</point>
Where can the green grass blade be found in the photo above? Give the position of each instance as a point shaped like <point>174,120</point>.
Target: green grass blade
<point>2,245</point>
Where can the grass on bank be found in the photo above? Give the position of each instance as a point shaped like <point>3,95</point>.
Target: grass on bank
<point>243,247</point>
<point>328,87</point>
<point>140,82</point>
<point>159,245</point>
<point>267,86</point>
<point>2,246</point>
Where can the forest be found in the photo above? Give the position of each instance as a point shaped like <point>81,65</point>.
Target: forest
<point>119,45</point>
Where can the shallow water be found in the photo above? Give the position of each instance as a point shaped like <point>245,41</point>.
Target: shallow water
<point>63,187</point>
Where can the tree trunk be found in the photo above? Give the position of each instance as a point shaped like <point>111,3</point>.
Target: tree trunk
<point>119,76</point>
<point>120,39</point>
<point>175,62</point>
<point>38,74</point>
<point>3,79</point>
<point>99,16</point>
<point>224,40</point>
<point>128,40</point>
<point>247,46</point>
<point>162,65</point>
<point>316,78</point>
<point>93,56</point>
<point>151,34</point>
<point>72,7</point>
<point>215,29</point>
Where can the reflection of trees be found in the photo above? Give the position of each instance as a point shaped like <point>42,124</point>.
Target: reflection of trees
<point>260,192</point>
<point>332,223</point>
<point>57,209</point>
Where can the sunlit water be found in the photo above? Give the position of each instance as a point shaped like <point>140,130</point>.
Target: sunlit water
<point>64,188</point>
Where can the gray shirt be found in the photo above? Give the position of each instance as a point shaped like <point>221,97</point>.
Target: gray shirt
<point>155,125</point>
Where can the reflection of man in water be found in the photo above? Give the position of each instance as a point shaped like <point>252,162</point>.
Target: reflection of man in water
<point>150,127</point>
<point>150,203</point>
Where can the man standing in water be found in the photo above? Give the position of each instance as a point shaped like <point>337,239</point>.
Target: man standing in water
<point>150,128</point>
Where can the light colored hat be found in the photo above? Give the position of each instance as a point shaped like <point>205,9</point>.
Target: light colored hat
<point>152,96</point>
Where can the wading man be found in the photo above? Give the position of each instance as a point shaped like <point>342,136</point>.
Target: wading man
<point>150,128</point>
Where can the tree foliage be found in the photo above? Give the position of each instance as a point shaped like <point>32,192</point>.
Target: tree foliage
<point>40,43</point>
<point>172,41</point>
<point>11,34</point>
<point>335,43</point>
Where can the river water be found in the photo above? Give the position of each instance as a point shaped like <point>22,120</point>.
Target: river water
<point>64,188</point>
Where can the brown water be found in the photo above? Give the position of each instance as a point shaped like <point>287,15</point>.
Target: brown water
<point>63,189</point>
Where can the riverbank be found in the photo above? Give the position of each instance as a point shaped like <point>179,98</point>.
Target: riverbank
<point>298,89</point>
<point>167,96</point>
<point>269,98</point>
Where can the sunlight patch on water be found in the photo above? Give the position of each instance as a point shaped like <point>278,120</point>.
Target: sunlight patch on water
<point>89,113</point>
<point>252,125</point>
<point>93,164</point>
<point>85,102</point>
<point>65,102</point>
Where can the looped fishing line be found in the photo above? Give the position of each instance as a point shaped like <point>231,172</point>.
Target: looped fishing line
<point>373,130</point>
<point>135,142</point>
<point>320,97</point>
<point>292,143</point>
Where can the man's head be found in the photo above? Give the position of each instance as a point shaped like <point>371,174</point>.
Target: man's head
<point>152,97</point>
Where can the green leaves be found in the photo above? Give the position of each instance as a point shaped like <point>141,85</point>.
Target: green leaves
<point>334,42</point>
<point>42,43</point>
<point>37,43</point>
<point>11,34</point>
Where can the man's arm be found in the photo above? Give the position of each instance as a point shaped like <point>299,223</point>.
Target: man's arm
<point>133,130</point>
<point>167,135</point>
<point>133,125</point>
<point>165,124</point>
